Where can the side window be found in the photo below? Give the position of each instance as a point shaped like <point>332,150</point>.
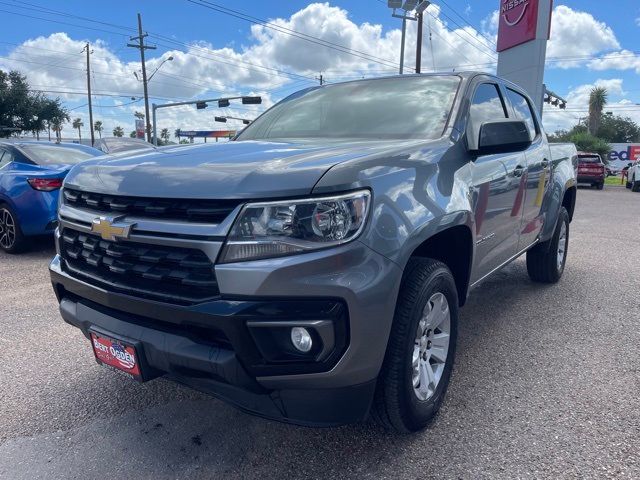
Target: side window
<point>523,111</point>
<point>487,105</point>
<point>5,157</point>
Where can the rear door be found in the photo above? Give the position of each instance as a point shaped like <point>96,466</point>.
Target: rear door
<point>496,180</point>
<point>535,181</point>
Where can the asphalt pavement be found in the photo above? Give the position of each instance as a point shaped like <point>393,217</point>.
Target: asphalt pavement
<point>546,385</point>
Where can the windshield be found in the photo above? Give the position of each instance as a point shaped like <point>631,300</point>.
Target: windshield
<point>56,155</point>
<point>389,108</point>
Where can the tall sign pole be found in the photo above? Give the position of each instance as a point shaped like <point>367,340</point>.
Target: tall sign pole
<point>142,47</point>
<point>524,29</point>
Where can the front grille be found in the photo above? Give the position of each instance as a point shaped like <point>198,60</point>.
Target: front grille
<point>205,211</point>
<point>169,274</point>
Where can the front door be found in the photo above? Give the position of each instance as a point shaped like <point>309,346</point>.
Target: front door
<point>497,183</point>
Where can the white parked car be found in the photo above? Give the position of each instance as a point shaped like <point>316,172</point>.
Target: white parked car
<point>633,177</point>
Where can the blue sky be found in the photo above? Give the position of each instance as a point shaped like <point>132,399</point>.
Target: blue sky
<point>46,50</point>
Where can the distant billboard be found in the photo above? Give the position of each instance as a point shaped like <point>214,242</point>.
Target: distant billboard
<point>139,128</point>
<point>622,154</point>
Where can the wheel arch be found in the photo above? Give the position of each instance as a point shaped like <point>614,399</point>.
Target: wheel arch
<point>452,246</point>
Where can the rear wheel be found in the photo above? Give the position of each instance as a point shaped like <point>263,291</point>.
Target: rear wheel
<point>420,354</point>
<point>546,261</point>
<point>600,186</point>
<point>635,185</point>
<point>11,238</point>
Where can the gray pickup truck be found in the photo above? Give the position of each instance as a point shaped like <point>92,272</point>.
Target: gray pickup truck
<point>312,269</point>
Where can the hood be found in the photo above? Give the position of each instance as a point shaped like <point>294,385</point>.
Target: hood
<point>243,169</point>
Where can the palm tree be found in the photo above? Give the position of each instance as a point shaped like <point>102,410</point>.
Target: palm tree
<point>133,134</point>
<point>597,101</point>
<point>118,131</point>
<point>139,115</point>
<point>97,126</point>
<point>164,135</point>
<point>56,126</point>
<point>77,123</point>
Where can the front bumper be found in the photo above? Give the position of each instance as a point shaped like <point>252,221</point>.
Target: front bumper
<point>208,346</point>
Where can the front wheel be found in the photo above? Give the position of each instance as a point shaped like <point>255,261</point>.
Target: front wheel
<point>635,185</point>
<point>421,349</point>
<point>600,186</point>
<point>11,238</point>
<point>546,261</point>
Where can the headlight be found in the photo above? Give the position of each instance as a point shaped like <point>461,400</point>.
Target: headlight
<point>274,229</point>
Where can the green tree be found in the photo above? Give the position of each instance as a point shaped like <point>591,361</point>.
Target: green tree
<point>585,142</point>
<point>133,134</point>
<point>597,101</point>
<point>23,110</point>
<point>98,127</point>
<point>617,129</point>
<point>77,123</point>
<point>118,131</point>
<point>139,115</point>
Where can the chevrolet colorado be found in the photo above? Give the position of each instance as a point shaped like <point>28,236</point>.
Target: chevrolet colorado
<point>312,269</point>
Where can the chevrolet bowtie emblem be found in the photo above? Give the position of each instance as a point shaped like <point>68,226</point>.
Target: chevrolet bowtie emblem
<point>111,229</point>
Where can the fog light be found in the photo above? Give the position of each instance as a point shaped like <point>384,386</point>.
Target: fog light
<point>301,339</point>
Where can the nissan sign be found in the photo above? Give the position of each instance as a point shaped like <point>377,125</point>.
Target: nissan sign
<point>518,23</point>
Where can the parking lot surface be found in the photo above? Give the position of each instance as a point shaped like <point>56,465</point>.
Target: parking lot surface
<point>546,384</point>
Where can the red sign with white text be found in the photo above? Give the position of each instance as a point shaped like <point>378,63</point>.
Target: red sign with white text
<point>518,23</point>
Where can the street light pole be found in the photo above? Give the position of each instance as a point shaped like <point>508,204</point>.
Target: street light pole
<point>142,47</point>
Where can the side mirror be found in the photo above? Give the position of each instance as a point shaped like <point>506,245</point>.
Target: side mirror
<point>503,137</point>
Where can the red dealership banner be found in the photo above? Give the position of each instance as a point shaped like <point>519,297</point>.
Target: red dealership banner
<point>518,23</point>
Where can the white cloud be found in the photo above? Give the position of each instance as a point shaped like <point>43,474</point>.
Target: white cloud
<point>55,62</point>
<point>578,34</point>
<point>621,60</point>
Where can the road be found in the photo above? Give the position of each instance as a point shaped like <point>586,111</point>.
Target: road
<point>546,384</point>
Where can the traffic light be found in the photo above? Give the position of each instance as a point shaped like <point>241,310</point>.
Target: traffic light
<point>201,105</point>
<point>221,119</point>
<point>223,103</point>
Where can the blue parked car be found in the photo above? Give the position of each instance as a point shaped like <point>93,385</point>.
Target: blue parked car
<point>31,174</point>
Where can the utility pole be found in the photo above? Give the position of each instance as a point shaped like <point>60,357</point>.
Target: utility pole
<point>419,18</point>
<point>321,78</point>
<point>142,47</point>
<point>87,48</point>
<point>404,35</point>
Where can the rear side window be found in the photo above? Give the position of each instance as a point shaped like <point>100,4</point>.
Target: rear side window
<point>487,105</point>
<point>523,111</point>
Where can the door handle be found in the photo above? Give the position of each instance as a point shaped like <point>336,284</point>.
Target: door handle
<point>545,163</point>
<point>518,171</point>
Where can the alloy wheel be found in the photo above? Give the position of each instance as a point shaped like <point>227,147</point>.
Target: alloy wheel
<point>562,246</point>
<point>7,229</point>
<point>431,346</point>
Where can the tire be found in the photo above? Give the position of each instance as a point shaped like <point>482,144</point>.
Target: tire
<point>399,404</point>
<point>628,185</point>
<point>600,186</point>
<point>11,238</point>
<point>635,185</point>
<point>545,262</point>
